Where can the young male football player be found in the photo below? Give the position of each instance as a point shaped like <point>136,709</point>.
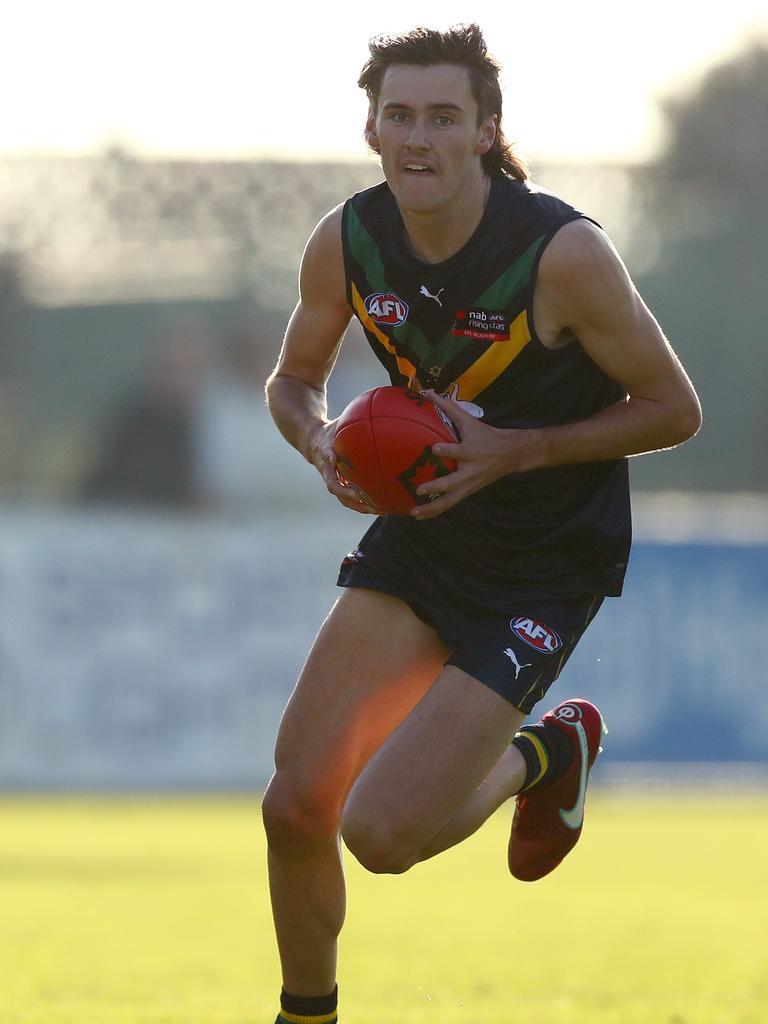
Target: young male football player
<point>405,731</point>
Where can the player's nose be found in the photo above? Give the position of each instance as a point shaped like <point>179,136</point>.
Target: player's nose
<point>418,137</point>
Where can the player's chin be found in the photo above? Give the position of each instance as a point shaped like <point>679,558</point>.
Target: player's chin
<point>415,192</point>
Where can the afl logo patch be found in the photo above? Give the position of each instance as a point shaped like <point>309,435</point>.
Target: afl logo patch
<point>386,308</point>
<point>536,634</point>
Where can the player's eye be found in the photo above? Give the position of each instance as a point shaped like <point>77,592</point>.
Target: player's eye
<point>398,116</point>
<point>444,120</point>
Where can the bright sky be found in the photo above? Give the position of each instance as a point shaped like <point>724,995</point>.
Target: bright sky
<point>237,79</point>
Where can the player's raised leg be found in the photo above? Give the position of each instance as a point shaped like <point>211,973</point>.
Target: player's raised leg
<point>428,770</point>
<point>502,671</point>
<point>505,780</point>
<point>372,662</point>
<point>547,765</point>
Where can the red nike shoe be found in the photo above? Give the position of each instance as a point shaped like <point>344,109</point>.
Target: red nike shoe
<point>547,822</point>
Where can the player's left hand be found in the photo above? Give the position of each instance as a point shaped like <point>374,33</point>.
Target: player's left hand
<point>483,454</point>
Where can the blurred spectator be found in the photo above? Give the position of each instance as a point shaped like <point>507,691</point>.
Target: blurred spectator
<point>245,465</point>
<point>148,456</point>
<point>241,456</point>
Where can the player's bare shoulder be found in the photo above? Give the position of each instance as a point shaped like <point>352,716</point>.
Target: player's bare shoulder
<point>322,278</point>
<point>578,251</point>
<point>581,275</point>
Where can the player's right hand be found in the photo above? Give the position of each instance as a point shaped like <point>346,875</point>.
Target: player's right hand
<point>323,458</point>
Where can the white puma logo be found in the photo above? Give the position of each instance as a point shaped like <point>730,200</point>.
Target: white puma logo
<point>425,291</point>
<point>513,658</point>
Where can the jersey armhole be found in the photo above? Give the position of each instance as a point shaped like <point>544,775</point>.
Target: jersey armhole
<point>348,284</point>
<point>345,254</point>
<point>535,272</point>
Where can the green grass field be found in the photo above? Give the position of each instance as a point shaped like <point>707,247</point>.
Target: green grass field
<point>156,911</point>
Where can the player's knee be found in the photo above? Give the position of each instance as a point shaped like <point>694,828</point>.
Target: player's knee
<point>379,849</point>
<point>297,818</point>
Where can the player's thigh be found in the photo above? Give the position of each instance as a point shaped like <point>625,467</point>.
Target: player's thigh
<point>372,662</point>
<point>430,764</point>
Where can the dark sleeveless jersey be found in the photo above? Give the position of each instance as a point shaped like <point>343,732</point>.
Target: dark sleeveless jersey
<point>465,328</point>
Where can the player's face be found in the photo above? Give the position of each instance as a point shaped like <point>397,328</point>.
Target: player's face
<point>426,130</point>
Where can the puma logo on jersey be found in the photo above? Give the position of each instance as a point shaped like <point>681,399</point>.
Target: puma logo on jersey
<point>513,658</point>
<point>428,294</point>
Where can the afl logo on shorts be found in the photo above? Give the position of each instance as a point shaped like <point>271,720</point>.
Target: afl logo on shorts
<point>536,634</point>
<point>386,308</point>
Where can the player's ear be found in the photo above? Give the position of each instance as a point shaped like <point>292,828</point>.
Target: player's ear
<point>487,132</point>
<point>371,135</point>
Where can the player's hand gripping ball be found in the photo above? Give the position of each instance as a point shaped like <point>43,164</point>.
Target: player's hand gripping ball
<point>383,444</point>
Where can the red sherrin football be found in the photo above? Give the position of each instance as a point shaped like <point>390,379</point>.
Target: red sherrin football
<point>384,444</point>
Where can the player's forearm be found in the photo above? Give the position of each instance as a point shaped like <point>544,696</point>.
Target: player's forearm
<point>630,427</point>
<point>299,411</point>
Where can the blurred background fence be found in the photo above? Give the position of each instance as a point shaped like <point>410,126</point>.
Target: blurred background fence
<point>165,559</point>
<point>141,651</point>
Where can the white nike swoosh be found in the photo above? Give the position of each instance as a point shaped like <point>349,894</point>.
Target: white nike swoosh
<point>574,816</point>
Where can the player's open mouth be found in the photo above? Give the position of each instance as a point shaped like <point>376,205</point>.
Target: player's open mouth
<point>414,168</point>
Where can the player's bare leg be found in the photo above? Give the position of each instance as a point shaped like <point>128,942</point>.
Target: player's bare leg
<point>550,781</point>
<point>440,773</point>
<point>372,663</point>
<point>544,830</point>
<point>504,781</point>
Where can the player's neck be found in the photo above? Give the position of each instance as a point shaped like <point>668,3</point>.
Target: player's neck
<point>436,235</point>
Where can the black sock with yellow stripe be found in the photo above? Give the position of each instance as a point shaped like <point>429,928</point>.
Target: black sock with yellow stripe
<point>308,1009</point>
<point>547,753</point>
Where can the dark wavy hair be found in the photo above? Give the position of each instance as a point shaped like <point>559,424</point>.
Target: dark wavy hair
<point>464,46</point>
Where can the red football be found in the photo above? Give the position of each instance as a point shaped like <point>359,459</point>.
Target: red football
<point>384,444</point>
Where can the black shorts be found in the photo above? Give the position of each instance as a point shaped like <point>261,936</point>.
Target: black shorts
<point>518,654</point>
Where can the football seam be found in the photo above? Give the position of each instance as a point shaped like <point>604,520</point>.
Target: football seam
<point>454,439</point>
<point>379,471</point>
